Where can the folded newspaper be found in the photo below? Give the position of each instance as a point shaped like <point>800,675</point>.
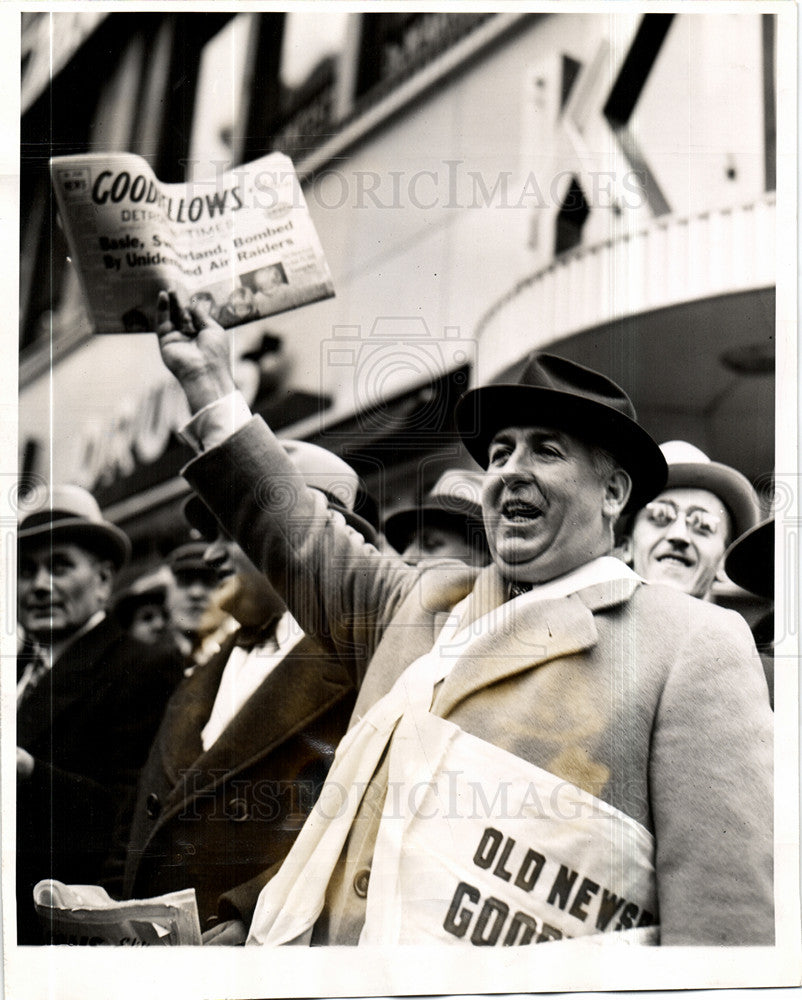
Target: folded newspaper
<point>86,914</point>
<point>238,247</point>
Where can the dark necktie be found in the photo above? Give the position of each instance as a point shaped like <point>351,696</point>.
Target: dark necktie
<point>39,667</point>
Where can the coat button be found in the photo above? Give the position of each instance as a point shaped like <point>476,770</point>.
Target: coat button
<point>238,810</point>
<point>361,882</point>
<point>153,805</point>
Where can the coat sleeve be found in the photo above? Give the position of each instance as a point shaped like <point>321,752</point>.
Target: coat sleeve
<point>711,791</point>
<point>341,590</point>
<point>240,902</point>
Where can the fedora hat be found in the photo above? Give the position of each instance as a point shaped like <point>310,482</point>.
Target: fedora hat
<point>455,500</point>
<point>321,470</point>
<point>749,561</point>
<point>71,513</point>
<point>556,392</point>
<point>688,466</point>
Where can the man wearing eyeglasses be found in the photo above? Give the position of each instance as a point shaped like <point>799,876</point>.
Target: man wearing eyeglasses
<point>679,539</point>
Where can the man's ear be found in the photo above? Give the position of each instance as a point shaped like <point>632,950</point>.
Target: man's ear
<point>616,493</point>
<point>105,575</point>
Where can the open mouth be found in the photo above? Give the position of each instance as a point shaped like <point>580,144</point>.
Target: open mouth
<point>674,559</point>
<point>520,511</point>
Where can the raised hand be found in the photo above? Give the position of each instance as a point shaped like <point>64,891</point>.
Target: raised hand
<point>196,349</point>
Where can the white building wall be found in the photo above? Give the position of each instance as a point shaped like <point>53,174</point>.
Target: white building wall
<point>408,230</point>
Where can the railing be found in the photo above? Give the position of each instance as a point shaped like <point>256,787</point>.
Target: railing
<point>674,260</point>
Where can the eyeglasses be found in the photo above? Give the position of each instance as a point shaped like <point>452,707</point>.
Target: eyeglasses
<point>664,512</point>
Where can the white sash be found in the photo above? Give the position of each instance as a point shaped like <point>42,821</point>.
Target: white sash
<point>479,846</point>
<point>293,899</point>
<point>291,902</point>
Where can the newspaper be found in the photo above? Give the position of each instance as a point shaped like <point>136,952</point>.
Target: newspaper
<point>86,914</point>
<point>239,247</point>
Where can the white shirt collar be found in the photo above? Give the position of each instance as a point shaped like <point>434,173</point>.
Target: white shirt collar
<point>604,569</point>
<point>244,672</point>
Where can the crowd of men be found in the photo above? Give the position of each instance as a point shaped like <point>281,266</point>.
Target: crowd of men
<point>298,714</point>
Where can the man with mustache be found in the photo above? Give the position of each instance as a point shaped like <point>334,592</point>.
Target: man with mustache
<point>680,537</point>
<point>538,751</point>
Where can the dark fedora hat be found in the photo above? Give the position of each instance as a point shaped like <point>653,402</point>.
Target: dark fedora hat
<point>556,392</point>
<point>322,470</point>
<point>455,500</point>
<point>749,561</point>
<point>70,513</point>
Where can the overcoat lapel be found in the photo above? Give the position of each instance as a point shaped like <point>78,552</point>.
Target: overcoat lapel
<point>299,689</point>
<point>188,712</point>
<point>414,628</point>
<point>524,635</point>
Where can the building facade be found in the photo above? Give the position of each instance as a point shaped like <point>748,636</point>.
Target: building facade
<point>482,184</point>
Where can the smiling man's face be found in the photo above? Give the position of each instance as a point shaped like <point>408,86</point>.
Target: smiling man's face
<point>548,506</point>
<point>686,551</point>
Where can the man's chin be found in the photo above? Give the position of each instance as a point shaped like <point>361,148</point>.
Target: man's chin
<point>521,567</point>
<point>47,631</point>
<point>676,576</point>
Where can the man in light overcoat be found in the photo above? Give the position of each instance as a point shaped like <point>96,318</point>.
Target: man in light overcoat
<point>547,749</point>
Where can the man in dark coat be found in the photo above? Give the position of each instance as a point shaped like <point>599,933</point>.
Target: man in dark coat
<point>89,698</point>
<point>247,739</point>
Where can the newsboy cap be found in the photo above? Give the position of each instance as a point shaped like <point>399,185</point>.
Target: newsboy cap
<point>189,558</point>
